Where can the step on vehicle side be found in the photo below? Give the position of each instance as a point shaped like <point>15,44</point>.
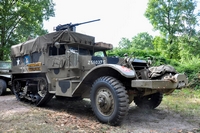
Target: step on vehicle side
<point>5,76</point>
<point>70,64</point>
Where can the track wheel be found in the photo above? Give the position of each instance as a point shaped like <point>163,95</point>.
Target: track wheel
<point>109,100</point>
<point>43,96</point>
<point>150,101</point>
<point>3,87</point>
<point>17,89</point>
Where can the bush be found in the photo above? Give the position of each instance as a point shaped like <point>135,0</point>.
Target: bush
<point>133,52</point>
<point>191,67</point>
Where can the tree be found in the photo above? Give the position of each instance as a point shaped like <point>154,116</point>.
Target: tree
<point>142,41</point>
<point>173,18</point>
<point>189,47</point>
<point>21,19</point>
<point>125,43</point>
<point>159,43</point>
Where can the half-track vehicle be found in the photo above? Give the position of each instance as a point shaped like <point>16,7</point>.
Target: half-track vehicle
<point>70,64</point>
<point>5,76</point>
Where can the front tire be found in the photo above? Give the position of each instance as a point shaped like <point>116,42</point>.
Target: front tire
<point>109,100</point>
<point>150,101</point>
<point>3,87</point>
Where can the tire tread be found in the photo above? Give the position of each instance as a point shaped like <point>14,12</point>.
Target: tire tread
<point>121,95</point>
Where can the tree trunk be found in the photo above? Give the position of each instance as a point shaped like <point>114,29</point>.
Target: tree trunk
<point>1,55</point>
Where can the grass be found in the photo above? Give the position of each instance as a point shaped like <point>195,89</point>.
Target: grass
<point>185,101</point>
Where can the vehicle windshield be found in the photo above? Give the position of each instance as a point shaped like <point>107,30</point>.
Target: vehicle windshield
<point>5,65</point>
<point>81,51</point>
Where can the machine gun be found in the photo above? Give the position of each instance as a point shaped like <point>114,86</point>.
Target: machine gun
<point>72,27</point>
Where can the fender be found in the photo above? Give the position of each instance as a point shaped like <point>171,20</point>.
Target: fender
<point>124,71</point>
<point>5,76</point>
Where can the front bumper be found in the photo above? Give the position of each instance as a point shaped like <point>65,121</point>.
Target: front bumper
<point>177,81</point>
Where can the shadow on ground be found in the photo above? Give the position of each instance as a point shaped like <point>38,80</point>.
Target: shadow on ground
<point>137,120</point>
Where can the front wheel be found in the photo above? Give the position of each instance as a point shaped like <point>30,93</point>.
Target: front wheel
<point>150,101</point>
<point>109,100</point>
<point>3,87</point>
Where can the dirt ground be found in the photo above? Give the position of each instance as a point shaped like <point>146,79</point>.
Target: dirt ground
<point>77,117</point>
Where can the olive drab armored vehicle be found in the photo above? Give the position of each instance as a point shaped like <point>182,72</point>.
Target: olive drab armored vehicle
<point>5,76</point>
<point>70,64</point>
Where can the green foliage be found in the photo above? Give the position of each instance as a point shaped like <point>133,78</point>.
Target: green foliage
<point>143,41</point>
<point>189,46</point>
<point>190,66</point>
<point>140,41</point>
<point>172,18</point>
<point>160,43</point>
<point>125,43</point>
<point>21,19</point>
<point>142,54</point>
<point>161,60</point>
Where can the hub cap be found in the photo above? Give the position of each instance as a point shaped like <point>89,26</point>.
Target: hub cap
<point>104,101</point>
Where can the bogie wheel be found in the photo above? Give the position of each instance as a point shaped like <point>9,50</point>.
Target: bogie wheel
<point>17,89</point>
<point>109,100</point>
<point>43,93</point>
<point>150,101</point>
<point>3,87</point>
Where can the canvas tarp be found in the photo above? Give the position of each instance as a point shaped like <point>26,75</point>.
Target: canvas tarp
<point>160,70</point>
<point>40,43</point>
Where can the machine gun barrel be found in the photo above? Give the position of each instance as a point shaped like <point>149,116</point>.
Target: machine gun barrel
<point>72,27</point>
<point>86,22</point>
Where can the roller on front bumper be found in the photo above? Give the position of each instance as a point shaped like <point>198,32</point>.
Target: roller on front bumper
<point>177,81</point>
